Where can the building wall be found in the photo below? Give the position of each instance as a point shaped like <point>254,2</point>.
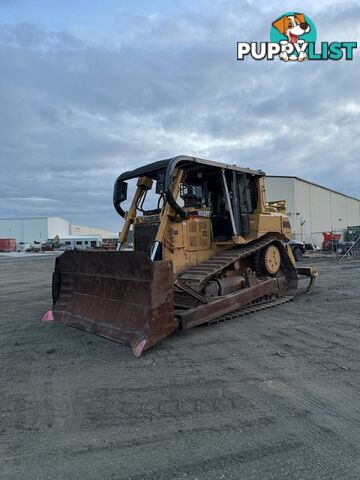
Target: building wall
<point>281,189</point>
<point>303,214</point>
<point>41,229</point>
<point>83,230</point>
<point>58,226</point>
<point>26,230</point>
<point>313,209</point>
<point>321,203</point>
<point>353,212</point>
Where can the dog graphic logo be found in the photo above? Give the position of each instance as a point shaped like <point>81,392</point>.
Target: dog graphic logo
<point>293,39</point>
<point>293,30</point>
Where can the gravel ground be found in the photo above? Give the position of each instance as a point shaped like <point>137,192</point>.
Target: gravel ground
<point>274,395</point>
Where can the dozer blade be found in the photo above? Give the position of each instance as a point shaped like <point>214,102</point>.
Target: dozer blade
<point>123,296</point>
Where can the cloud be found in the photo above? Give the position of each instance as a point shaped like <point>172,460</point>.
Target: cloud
<point>79,106</point>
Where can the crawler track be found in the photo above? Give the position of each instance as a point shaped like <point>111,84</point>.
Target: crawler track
<point>261,292</point>
<point>197,276</point>
<point>256,307</point>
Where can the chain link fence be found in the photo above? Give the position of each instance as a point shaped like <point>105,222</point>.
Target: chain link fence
<point>340,244</point>
<point>351,253</point>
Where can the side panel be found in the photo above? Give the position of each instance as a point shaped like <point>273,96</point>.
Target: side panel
<point>274,223</point>
<point>188,243</point>
<point>197,234</point>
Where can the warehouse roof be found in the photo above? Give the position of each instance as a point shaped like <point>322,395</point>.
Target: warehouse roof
<point>315,185</point>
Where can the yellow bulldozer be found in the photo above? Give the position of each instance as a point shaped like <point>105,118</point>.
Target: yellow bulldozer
<point>208,250</point>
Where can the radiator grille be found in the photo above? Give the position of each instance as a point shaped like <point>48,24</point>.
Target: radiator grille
<point>144,236</point>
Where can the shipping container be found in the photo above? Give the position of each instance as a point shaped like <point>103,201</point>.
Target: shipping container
<point>7,245</point>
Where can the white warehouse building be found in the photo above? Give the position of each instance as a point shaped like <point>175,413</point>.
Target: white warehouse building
<point>42,229</point>
<point>313,209</point>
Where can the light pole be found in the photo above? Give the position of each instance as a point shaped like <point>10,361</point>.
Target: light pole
<point>289,215</point>
<point>302,222</point>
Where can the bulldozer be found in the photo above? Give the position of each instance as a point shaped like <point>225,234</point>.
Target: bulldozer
<point>208,250</point>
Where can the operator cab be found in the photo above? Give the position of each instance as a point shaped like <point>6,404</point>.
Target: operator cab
<point>225,194</point>
<point>204,194</point>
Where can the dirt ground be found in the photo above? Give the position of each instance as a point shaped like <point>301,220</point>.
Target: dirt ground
<point>275,395</point>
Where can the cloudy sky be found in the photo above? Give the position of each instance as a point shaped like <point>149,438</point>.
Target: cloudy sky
<point>89,89</point>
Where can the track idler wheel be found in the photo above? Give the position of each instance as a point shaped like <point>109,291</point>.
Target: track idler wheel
<point>268,260</point>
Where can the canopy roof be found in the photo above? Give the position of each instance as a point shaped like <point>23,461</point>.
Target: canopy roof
<point>188,163</point>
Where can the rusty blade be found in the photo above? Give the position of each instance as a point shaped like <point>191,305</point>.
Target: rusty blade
<point>123,296</point>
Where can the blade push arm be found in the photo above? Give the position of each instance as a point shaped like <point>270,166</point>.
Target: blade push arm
<point>143,184</point>
<point>165,214</point>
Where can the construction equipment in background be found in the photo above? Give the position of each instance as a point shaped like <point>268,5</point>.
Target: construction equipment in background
<point>330,241</point>
<point>277,206</point>
<point>109,244</point>
<point>353,233</point>
<point>298,249</point>
<point>207,250</point>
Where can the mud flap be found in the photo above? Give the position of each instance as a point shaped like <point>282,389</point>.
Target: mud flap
<point>123,296</point>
